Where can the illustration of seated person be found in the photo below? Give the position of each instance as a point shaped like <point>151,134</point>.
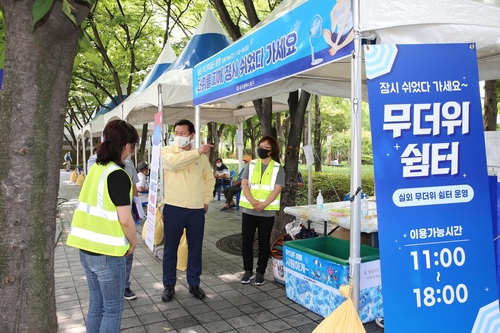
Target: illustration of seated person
<point>221,174</point>
<point>341,32</point>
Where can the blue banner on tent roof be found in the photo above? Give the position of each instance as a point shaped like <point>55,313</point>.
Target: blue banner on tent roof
<point>312,34</point>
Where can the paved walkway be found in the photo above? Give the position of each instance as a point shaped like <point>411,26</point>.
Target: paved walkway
<point>229,306</point>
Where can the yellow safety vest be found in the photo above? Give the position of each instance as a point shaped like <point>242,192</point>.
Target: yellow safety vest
<point>95,226</point>
<point>262,185</point>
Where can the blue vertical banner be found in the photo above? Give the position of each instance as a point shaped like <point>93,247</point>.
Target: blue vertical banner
<point>435,234</point>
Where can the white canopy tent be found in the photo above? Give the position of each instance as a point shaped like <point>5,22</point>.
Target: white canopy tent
<point>392,22</point>
<point>95,126</point>
<point>383,22</point>
<point>176,85</point>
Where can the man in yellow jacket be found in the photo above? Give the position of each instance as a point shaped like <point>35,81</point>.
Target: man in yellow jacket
<point>188,183</point>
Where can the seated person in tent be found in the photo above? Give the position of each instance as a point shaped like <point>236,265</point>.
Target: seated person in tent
<point>229,192</point>
<point>142,183</point>
<point>221,174</point>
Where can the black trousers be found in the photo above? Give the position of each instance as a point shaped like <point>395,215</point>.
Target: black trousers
<point>229,193</point>
<point>249,223</point>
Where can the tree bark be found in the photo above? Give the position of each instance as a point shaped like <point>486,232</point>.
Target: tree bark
<point>251,133</point>
<point>317,134</point>
<point>490,105</point>
<point>38,66</point>
<point>232,28</point>
<point>264,109</point>
<point>288,195</point>
<point>142,148</point>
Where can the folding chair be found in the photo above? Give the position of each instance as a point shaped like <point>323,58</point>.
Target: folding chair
<point>222,185</point>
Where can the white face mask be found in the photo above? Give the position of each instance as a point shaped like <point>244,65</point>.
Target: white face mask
<point>129,156</point>
<point>219,165</point>
<point>181,141</point>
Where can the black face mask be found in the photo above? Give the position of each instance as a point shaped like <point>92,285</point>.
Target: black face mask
<point>263,153</point>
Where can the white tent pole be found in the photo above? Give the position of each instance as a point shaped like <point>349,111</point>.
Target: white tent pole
<point>84,158</point>
<point>77,150</point>
<point>162,143</point>
<point>91,142</point>
<point>309,168</point>
<point>354,255</point>
<point>197,126</point>
<point>239,144</point>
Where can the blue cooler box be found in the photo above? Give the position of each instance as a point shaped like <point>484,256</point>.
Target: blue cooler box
<point>315,268</point>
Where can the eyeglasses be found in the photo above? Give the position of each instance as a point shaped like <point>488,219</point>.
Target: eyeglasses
<point>266,148</point>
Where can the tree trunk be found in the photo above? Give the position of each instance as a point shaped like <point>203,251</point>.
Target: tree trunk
<point>264,109</point>
<point>220,137</point>
<point>38,67</point>
<point>279,132</point>
<point>142,148</point>
<point>490,105</point>
<point>211,138</point>
<point>251,134</point>
<point>289,193</point>
<point>317,134</point>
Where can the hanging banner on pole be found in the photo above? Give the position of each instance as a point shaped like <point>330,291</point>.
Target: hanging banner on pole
<point>313,33</point>
<point>434,218</point>
<point>153,181</point>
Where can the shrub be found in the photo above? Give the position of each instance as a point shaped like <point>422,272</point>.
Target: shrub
<point>334,182</point>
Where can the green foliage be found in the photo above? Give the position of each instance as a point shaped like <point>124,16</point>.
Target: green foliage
<point>40,8</point>
<point>334,183</point>
<point>67,9</point>
<point>341,147</point>
<point>124,33</point>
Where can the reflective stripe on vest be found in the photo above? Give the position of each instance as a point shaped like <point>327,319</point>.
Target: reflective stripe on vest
<point>99,238</point>
<point>95,226</point>
<point>262,184</point>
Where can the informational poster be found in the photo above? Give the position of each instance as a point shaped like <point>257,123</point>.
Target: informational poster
<point>311,34</point>
<point>434,217</point>
<point>153,181</point>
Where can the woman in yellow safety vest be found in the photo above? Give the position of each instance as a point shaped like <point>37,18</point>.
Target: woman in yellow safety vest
<point>261,183</point>
<point>103,227</point>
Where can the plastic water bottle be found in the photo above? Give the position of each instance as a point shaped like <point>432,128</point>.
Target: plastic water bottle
<point>364,206</point>
<point>319,201</point>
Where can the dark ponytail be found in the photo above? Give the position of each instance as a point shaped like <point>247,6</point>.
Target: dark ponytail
<point>117,134</point>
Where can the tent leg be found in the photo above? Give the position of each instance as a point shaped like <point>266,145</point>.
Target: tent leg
<point>354,256</point>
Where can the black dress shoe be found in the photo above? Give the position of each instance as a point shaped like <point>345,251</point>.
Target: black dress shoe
<point>168,293</point>
<point>197,292</point>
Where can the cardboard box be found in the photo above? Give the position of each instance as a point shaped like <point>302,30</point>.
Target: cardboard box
<point>315,268</point>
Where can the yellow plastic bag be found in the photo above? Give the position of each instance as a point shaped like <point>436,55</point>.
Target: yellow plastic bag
<point>343,319</point>
<point>159,232</point>
<point>73,176</point>
<point>80,180</point>
<point>182,253</point>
